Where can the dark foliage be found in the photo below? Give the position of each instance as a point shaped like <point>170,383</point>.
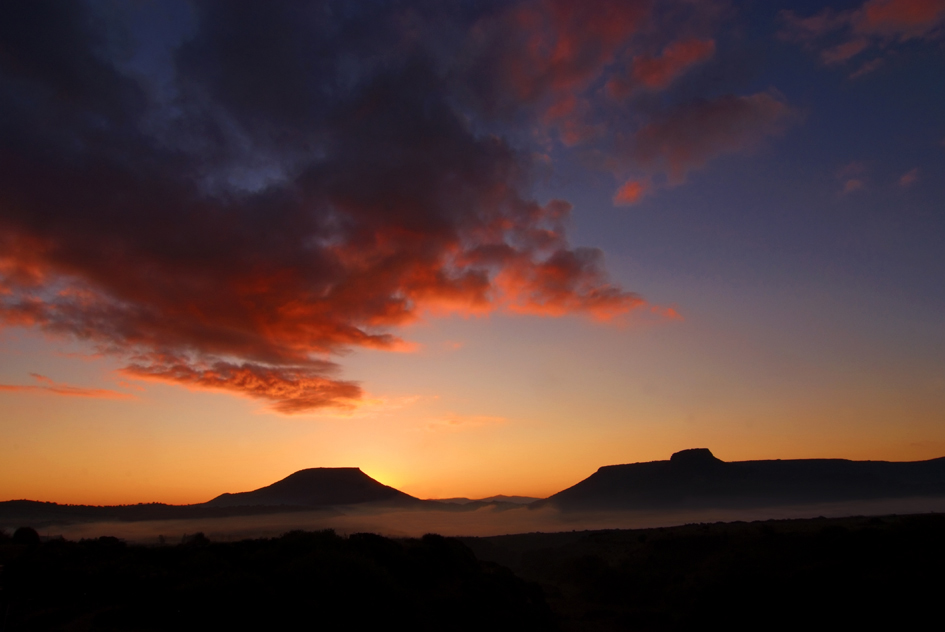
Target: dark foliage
<point>302,580</point>
<point>800,574</point>
<point>26,536</point>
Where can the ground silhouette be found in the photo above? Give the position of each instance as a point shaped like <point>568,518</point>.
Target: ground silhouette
<point>302,580</point>
<point>849,573</point>
<point>841,574</point>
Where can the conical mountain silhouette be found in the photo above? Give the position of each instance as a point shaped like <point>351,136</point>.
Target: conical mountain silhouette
<point>318,487</point>
<point>696,478</point>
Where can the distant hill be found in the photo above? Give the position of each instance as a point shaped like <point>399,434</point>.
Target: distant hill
<point>318,487</point>
<point>14,513</point>
<point>514,500</point>
<point>321,489</point>
<point>696,478</point>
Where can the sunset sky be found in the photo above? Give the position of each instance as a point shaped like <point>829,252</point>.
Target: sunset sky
<point>470,247</point>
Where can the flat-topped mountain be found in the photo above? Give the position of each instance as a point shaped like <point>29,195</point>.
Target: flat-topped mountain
<point>318,487</point>
<point>696,478</point>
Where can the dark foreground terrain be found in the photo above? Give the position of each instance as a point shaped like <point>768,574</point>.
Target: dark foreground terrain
<point>842,573</point>
<point>300,581</point>
<point>788,575</point>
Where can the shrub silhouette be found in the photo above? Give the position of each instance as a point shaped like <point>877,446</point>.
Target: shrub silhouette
<point>26,536</point>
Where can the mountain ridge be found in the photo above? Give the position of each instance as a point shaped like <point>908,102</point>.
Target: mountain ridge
<point>689,479</point>
<point>696,478</point>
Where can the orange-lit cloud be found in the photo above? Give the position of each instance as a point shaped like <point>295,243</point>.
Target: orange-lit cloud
<point>630,192</point>
<point>49,387</point>
<point>158,236</point>
<point>668,313</point>
<point>290,389</point>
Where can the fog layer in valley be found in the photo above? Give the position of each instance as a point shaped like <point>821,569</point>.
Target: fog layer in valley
<point>486,521</point>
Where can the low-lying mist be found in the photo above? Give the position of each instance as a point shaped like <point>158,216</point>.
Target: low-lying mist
<point>485,521</point>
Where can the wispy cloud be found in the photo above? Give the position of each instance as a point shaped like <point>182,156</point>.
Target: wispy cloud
<point>851,185</point>
<point>631,192</point>
<point>47,386</point>
<point>873,29</point>
<point>909,178</point>
<point>688,136</point>
<point>452,422</point>
<point>852,177</point>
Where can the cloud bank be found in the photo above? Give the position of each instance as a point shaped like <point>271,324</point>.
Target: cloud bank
<point>230,199</point>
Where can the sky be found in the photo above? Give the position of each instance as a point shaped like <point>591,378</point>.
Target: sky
<point>473,248</point>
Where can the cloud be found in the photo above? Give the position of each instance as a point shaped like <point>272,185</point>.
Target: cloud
<point>455,422</point>
<point>843,52</point>
<point>258,205</point>
<point>874,27</point>
<point>656,73</point>
<point>667,313</point>
<point>900,19</point>
<point>630,192</point>
<point>290,389</point>
<point>851,185</point>
<point>540,59</point>
<point>237,210</point>
<point>909,178</point>
<point>867,68</point>
<point>49,387</point>
<point>543,52</point>
<point>853,176</point>
<point>690,135</point>
<point>579,73</point>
